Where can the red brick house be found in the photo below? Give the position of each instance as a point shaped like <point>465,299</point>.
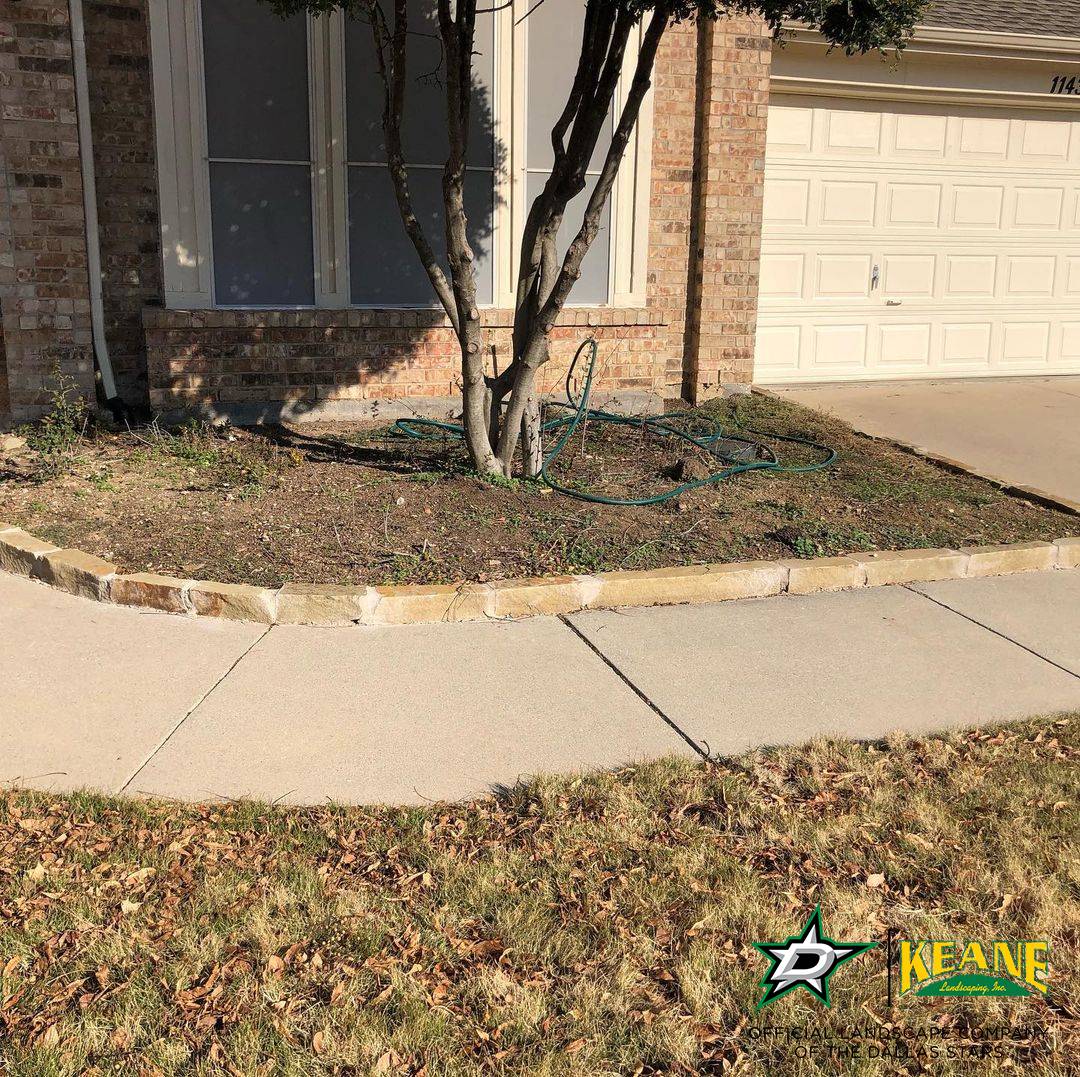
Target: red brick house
<point>316,303</point>
<point>917,219</point>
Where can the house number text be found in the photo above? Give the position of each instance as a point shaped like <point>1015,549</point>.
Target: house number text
<point>1065,84</point>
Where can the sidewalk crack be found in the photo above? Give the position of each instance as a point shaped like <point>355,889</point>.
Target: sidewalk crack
<point>703,752</point>
<point>198,703</point>
<point>991,628</point>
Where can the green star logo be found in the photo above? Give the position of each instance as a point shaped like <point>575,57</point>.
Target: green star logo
<point>807,960</point>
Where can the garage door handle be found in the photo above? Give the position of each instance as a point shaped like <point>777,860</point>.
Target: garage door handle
<point>893,302</point>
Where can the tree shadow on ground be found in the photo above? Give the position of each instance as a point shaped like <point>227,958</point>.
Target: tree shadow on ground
<point>397,454</point>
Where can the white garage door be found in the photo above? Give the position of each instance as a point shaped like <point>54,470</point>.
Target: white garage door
<point>908,241</point>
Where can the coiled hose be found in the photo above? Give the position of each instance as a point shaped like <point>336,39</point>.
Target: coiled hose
<point>727,447</point>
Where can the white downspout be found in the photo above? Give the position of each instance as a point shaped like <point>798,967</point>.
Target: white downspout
<point>89,185</point>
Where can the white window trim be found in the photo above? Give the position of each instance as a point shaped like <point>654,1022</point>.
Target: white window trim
<point>184,177</point>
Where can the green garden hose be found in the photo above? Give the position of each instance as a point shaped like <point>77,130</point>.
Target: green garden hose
<point>671,424</point>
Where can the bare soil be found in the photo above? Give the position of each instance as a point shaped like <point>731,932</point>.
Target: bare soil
<point>350,503</point>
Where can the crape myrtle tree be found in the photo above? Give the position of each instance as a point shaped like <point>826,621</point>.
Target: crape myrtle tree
<point>500,409</point>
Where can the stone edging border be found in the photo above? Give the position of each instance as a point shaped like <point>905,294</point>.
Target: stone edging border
<point>92,577</point>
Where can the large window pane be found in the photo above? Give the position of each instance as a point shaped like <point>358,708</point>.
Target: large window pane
<point>261,218</point>
<point>424,138</point>
<point>383,265</point>
<point>256,82</point>
<point>554,31</point>
<point>385,268</point>
<point>257,118</point>
<point>592,285</point>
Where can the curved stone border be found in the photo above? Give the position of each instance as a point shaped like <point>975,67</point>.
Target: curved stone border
<point>333,604</point>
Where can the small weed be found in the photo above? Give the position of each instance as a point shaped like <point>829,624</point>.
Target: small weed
<point>428,478</point>
<point>56,437</point>
<point>195,444</point>
<point>825,540</point>
<point>101,479</point>
<point>502,481</point>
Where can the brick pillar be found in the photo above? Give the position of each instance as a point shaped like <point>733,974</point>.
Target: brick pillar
<point>45,299</point>
<point>733,96</point>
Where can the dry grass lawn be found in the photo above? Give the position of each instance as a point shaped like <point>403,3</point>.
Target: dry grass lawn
<point>597,925</point>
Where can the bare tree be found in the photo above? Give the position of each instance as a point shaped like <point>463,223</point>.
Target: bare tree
<point>498,408</point>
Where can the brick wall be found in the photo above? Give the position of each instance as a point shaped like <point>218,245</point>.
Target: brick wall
<point>45,301</point>
<point>227,358</point>
<point>122,118</point>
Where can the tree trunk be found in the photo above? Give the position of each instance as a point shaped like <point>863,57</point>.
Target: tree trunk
<point>532,451</point>
<point>476,409</point>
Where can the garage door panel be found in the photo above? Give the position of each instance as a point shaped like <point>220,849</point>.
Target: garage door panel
<point>912,205</point>
<point>847,203</point>
<point>842,276</point>
<point>970,275</point>
<point>908,275</point>
<point>1044,140</point>
<point>790,129</point>
<point>1038,207</point>
<point>1072,276</point>
<point>966,345</point>
<point>1024,344</point>
<point>778,351</point>
<point>781,276</point>
<point>787,201</point>
<point>904,347</point>
<point>1070,341</point>
<point>853,131</point>
<point>977,205</point>
<point>1027,277</point>
<point>920,135</point>
<point>838,348</point>
<point>983,137</point>
<point>977,252</point>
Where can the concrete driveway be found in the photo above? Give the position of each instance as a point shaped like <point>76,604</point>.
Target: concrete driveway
<point>1022,431</point>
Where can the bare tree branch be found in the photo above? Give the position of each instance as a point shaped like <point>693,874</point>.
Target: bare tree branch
<point>639,86</point>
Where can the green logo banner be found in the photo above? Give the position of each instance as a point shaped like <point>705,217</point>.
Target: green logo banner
<point>972,985</point>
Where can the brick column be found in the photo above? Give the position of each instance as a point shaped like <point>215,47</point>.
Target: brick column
<point>733,95</point>
<point>45,299</point>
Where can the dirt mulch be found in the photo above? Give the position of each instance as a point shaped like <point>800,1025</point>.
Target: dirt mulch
<point>340,503</point>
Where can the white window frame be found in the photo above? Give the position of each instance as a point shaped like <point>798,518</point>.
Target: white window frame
<point>184,175</point>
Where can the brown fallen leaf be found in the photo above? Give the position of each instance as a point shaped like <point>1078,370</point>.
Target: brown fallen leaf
<point>875,880</point>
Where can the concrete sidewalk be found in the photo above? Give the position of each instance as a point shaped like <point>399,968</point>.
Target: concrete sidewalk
<point>1020,431</point>
<point>101,697</point>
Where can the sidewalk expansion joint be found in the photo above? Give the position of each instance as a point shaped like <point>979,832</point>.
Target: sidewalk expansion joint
<point>198,703</point>
<point>670,722</point>
<point>991,628</point>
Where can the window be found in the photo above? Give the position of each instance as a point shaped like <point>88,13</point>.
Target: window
<point>258,155</point>
<point>383,267</point>
<point>272,176</point>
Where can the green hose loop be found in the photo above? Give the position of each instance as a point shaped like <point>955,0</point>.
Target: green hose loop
<point>662,425</point>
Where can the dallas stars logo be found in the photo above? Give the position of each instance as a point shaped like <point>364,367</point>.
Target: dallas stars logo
<point>807,960</point>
